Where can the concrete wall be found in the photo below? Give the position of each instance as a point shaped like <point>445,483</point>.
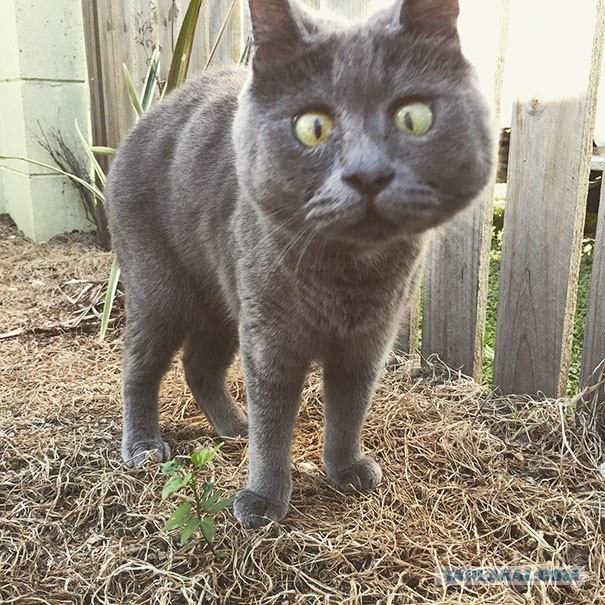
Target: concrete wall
<point>43,85</point>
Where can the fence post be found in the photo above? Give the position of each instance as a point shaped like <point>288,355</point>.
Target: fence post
<point>553,122</point>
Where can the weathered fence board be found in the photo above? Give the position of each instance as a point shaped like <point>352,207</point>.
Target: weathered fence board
<point>456,276</point>
<point>594,337</point>
<point>95,71</point>
<point>218,15</point>
<point>126,32</point>
<point>115,21</point>
<point>547,185</point>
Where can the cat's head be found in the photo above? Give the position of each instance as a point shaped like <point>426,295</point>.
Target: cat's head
<point>361,133</point>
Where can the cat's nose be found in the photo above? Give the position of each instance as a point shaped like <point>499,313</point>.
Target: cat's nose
<point>369,181</point>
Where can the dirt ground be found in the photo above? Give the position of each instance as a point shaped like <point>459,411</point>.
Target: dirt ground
<point>470,478</point>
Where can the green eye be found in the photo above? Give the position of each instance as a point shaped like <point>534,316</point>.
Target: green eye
<point>313,128</point>
<point>415,119</point>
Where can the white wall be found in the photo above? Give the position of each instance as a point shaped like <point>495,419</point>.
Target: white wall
<point>43,84</point>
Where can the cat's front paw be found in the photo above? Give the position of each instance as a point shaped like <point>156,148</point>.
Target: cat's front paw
<point>254,511</point>
<point>135,453</point>
<point>361,476</point>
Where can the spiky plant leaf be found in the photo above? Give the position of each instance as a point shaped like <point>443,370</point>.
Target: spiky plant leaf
<point>95,190</point>
<point>151,80</point>
<point>132,91</point>
<point>184,45</point>
<point>91,156</point>
<point>179,517</point>
<point>112,286</point>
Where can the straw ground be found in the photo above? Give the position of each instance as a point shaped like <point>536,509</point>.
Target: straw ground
<point>470,478</point>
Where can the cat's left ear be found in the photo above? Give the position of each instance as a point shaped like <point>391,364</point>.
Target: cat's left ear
<point>431,17</point>
<point>274,28</point>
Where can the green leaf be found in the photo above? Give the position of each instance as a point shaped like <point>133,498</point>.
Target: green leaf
<point>174,484</point>
<point>132,91</point>
<point>94,190</point>
<point>112,287</point>
<point>219,505</point>
<point>190,527</point>
<point>183,47</point>
<point>170,467</point>
<point>179,517</point>
<point>103,150</point>
<point>199,458</point>
<point>91,156</point>
<point>151,80</point>
<point>211,497</point>
<point>207,489</point>
<point>245,56</point>
<point>208,528</point>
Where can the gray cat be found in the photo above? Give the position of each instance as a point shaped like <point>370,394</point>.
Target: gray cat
<point>285,210</point>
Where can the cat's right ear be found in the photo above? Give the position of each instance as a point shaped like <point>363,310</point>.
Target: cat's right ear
<point>274,29</point>
<point>430,17</point>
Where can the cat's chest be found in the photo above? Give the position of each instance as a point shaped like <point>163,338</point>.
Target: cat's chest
<point>319,297</point>
<point>347,304</point>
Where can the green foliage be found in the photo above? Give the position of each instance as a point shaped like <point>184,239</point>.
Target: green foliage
<point>580,316</point>
<point>489,341</point>
<point>99,150</point>
<point>110,296</point>
<point>151,79</point>
<point>204,503</point>
<point>246,52</point>
<point>135,100</point>
<point>184,46</point>
<point>91,187</point>
<point>99,172</point>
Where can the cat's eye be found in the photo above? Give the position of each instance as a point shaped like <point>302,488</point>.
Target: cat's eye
<point>414,119</point>
<point>313,128</point>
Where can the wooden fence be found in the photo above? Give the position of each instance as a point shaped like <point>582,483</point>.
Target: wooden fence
<point>552,52</point>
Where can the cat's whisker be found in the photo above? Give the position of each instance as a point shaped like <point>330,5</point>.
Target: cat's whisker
<point>305,248</point>
<point>279,227</point>
<point>301,234</point>
<point>289,246</point>
<point>320,213</point>
<point>316,202</point>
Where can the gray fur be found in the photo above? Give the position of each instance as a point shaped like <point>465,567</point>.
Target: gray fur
<point>231,234</point>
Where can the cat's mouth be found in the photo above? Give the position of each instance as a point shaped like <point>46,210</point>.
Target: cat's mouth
<point>380,223</point>
<point>376,219</point>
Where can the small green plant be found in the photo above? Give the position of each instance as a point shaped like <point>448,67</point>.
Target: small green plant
<point>204,502</point>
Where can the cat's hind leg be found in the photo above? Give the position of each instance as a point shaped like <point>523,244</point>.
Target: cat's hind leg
<point>150,342</point>
<point>208,353</point>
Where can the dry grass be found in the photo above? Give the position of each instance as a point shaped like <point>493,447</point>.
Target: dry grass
<point>470,479</point>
